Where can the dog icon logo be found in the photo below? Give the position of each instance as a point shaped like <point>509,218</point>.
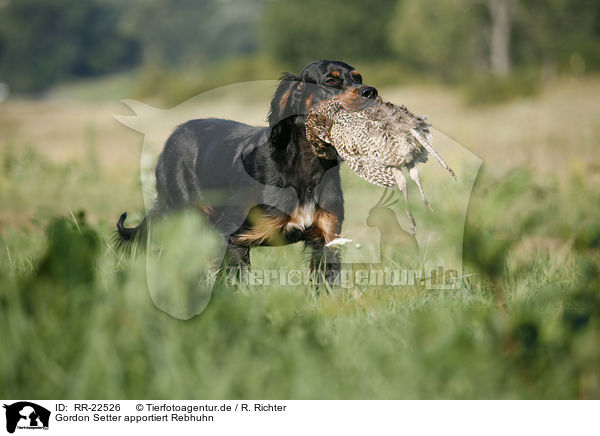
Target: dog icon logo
<point>26,415</point>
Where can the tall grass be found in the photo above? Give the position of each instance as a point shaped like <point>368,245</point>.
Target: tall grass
<point>77,320</point>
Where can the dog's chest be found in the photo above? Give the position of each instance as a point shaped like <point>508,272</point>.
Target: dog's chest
<point>302,217</point>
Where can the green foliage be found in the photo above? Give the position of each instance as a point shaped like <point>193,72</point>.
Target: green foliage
<point>71,255</point>
<point>451,38</point>
<point>43,42</point>
<point>486,88</point>
<point>298,31</point>
<point>187,46</point>
<point>180,33</point>
<point>551,32</point>
<point>436,37</point>
<point>67,298</point>
<point>187,244</point>
<point>174,87</point>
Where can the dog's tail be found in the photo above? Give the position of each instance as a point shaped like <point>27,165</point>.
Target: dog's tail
<point>124,236</point>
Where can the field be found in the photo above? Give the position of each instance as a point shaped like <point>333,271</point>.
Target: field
<point>77,320</point>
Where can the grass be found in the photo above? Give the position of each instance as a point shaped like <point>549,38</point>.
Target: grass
<point>488,89</point>
<point>77,319</point>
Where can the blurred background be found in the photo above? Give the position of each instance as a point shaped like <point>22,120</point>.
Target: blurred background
<point>516,82</point>
<point>458,61</point>
<point>173,49</point>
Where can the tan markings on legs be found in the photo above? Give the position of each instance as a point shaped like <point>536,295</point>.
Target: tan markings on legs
<point>268,228</point>
<point>263,228</point>
<point>327,225</point>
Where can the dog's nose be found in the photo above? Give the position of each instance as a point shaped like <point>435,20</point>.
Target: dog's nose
<point>369,92</point>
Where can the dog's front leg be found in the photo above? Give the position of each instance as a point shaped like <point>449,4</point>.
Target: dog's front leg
<point>236,264</point>
<point>324,261</point>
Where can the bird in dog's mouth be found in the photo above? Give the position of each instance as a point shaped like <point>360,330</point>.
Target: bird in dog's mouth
<point>377,140</point>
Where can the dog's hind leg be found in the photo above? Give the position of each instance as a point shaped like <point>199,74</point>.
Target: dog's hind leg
<point>177,183</point>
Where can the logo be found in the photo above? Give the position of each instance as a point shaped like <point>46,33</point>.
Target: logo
<point>26,415</point>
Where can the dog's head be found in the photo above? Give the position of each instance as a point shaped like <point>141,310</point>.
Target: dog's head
<point>295,95</point>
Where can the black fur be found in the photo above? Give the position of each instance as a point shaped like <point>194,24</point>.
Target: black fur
<point>232,171</point>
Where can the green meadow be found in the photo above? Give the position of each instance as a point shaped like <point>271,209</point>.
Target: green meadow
<point>77,319</point>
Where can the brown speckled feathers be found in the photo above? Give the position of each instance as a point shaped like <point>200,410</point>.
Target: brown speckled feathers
<point>376,139</point>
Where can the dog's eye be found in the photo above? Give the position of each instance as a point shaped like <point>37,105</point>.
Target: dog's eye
<point>331,81</point>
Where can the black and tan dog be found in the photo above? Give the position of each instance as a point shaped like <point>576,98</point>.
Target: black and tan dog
<point>212,164</point>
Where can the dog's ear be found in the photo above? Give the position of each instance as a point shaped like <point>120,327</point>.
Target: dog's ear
<point>287,101</point>
<point>286,105</point>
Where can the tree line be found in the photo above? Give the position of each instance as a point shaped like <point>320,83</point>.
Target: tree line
<point>42,43</point>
